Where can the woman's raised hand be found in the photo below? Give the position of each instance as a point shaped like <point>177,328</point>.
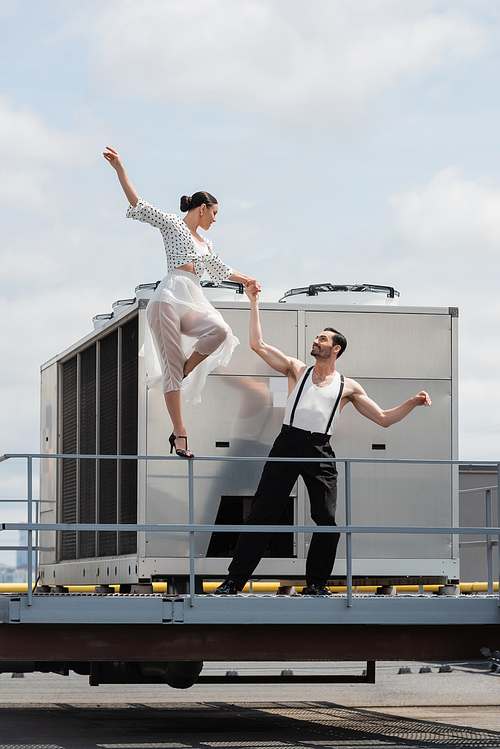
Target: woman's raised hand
<point>112,157</point>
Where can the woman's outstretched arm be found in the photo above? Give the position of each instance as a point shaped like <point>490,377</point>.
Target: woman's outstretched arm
<point>113,158</point>
<point>245,280</point>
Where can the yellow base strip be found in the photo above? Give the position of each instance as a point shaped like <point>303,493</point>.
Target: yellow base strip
<point>265,587</point>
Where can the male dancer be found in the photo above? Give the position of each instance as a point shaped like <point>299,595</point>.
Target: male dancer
<point>316,395</point>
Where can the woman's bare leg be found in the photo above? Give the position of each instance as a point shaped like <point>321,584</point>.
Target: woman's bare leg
<point>193,362</point>
<point>173,404</point>
<point>211,333</point>
<point>166,327</point>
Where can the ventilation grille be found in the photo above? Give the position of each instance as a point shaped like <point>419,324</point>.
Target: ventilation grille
<point>99,416</point>
<point>127,542</point>
<point>69,468</point>
<point>108,442</point>
<point>88,446</point>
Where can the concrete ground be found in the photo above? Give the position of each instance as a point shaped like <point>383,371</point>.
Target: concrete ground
<point>460,708</point>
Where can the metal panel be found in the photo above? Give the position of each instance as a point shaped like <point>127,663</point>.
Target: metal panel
<point>243,412</point>
<point>237,417</point>
<point>394,353</point>
<point>382,344</point>
<point>291,568</point>
<point>97,571</point>
<point>48,468</point>
<point>398,494</point>
<point>279,328</point>
<point>428,610</point>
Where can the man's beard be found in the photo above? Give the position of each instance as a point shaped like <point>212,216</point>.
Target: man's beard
<point>320,353</point>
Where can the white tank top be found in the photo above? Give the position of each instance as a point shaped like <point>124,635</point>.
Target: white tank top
<point>314,405</point>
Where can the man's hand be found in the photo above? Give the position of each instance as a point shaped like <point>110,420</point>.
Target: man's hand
<point>422,399</point>
<point>252,290</point>
<point>253,285</point>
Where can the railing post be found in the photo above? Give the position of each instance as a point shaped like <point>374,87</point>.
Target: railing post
<point>498,521</point>
<point>30,533</point>
<point>489,541</point>
<point>348,537</point>
<point>191,533</point>
<point>37,538</point>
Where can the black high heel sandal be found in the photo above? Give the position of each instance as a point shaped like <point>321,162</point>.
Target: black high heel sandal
<point>181,453</point>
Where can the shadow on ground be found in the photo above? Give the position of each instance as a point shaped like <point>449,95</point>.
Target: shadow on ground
<point>273,725</point>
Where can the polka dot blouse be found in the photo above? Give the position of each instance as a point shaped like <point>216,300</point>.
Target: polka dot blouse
<point>180,246</point>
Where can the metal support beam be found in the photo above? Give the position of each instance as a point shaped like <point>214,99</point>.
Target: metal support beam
<point>244,642</point>
<point>367,678</point>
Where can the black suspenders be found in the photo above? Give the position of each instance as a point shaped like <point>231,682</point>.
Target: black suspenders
<point>301,388</point>
<point>339,396</point>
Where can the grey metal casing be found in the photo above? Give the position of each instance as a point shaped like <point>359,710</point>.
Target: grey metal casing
<point>394,352</point>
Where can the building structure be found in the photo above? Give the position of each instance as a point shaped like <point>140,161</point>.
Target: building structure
<point>94,403</point>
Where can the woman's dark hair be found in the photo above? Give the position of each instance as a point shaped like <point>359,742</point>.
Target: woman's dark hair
<point>197,199</point>
<point>338,340</point>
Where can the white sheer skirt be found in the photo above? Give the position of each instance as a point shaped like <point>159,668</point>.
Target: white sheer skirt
<point>182,320</point>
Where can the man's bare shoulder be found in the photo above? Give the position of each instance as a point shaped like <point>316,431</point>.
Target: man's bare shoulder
<point>351,389</point>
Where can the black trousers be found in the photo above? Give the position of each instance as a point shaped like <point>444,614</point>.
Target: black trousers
<point>274,488</point>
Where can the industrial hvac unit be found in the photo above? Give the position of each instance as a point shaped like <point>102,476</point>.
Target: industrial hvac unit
<point>94,401</point>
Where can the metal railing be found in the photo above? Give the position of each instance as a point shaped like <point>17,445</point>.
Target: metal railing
<point>489,522</point>
<point>191,527</point>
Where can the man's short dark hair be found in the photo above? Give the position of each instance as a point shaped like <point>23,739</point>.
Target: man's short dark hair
<point>338,340</point>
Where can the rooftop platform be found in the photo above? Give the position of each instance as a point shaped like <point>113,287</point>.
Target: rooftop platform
<point>157,608</point>
<point>247,627</point>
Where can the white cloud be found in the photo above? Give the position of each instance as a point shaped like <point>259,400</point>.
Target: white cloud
<point>30,149</point>
<point>319,66</point>
<point>450,215</point>
<point>24,134</point>
<point>447,235</point>
<point>479,415</point>
<point>8,7</point>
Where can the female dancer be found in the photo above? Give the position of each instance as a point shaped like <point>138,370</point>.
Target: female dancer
<point>190,335</point>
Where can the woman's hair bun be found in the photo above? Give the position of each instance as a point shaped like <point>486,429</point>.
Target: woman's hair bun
<point>186,203</point>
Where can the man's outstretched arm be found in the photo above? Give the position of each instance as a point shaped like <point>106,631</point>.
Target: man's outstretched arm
<point>274,357</point>
<point>367,407</point>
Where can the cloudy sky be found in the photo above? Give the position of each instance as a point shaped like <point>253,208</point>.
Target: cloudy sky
<point>347,141</point>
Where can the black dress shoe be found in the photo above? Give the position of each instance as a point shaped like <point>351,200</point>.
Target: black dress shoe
<point>227,588</point>
<point>316,589</point>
